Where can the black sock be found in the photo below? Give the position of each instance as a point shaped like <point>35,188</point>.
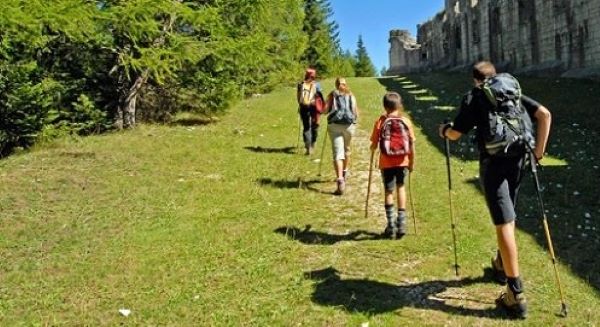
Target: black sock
<point>515,284</point>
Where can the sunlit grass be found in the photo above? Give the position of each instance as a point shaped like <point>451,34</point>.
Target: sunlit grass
<point>430,98</point>
<point>185,225</point>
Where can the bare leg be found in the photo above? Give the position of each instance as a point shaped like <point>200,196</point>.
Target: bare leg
<point>389,198</point>
<point>507,244</point>
<point>401,196</point>
<point>338,167</point>
<point>347,161</point>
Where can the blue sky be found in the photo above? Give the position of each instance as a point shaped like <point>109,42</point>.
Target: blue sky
<point>373,19</point>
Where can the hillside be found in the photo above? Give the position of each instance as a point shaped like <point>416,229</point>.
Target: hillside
<point>224,223</point>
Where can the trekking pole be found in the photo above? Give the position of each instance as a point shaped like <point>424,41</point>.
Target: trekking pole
<point>452,224</point>
<point>299,133</point>
<point>369,184</point>
<point>533,162</point>
<point>412,204</point>
<point>323,149</point>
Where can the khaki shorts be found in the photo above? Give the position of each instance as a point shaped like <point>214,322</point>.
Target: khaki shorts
<point>341,138</point>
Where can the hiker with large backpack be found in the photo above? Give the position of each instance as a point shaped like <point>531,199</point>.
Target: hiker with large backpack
<point>310,101</point>
<point>393,133</point>
<point>503,117</point>
<point>342,116</point>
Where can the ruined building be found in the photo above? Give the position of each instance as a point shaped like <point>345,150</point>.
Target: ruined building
<point>526,36</point>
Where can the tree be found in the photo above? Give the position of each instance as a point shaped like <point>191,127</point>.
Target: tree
<point>364,66</point>
<point>383,71</point>
<point>323,40</point>
<point>77,65</point>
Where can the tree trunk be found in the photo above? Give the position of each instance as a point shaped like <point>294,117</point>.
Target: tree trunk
<point>126,111</point>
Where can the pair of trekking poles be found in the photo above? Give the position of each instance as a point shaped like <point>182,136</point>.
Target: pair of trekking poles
<point>410,194</point>
<point>533,162</point>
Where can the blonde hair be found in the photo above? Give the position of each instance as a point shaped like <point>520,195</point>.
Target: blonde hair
<point>339,81</point>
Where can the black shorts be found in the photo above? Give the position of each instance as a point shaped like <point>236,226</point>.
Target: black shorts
<point>500,179</point>
<point>393,177</point>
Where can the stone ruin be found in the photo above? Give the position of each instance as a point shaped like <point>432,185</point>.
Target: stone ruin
<point>538,37</point>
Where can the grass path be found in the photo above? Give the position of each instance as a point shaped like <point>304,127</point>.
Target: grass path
<point>224,224</point>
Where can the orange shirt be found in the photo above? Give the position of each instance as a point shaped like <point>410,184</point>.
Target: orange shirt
<point>395,161</point>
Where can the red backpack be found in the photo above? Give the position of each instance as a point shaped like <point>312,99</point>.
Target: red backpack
<point>394,137</point>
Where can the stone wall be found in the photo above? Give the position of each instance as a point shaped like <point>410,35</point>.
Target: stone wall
<point>526,36</point>
<point>404,52</point>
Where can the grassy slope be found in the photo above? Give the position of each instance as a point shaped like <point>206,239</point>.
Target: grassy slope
<point>187,225</point>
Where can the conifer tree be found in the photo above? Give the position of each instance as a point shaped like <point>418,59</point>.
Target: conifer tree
<point>323,42</point>
<point>364,66</point>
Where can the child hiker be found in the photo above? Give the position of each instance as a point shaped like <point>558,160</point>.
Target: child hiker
<point>393,133</point>
<point>343,112</point>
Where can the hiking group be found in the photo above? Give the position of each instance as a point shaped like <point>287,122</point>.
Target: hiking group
<point>503,120</point>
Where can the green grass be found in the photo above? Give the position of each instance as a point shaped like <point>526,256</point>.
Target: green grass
<point>221,223</point>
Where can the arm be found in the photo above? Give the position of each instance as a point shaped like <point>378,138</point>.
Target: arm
<point>375,135</point>
<point>544,120</point>
<point>463,122</point>
<point>299,93</point>
<point>355,108</point>
<point>446,131</point>
<point>328,103</point>
<point>411,156</point>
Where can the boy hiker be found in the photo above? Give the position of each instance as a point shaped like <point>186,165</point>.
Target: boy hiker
<point>393,133</point>
<point>343,113</point>
<point>310,101</point>
<point>504,134</point>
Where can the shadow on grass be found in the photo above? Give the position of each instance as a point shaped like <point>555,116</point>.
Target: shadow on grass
<point>260,149</point>
<point>192,121</point>
<point>373,297</point>
<point>299,183</point>
<point>308,236</point>
<point>573,207</point>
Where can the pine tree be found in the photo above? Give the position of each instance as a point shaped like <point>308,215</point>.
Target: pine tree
<point>323,40</point>
<point>74,66</point>
<point>383,71</point>
<point>364,66</point>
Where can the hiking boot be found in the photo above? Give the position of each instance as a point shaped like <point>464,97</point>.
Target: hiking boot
<point>401,227</point>
<point>514,304</point>
<point>498,270</point>
<point>389,232</point>
<point>341,186</point>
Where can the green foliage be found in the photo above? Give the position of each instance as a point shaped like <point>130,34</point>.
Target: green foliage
<point>383,71</point>
<point>363,66</point>
<point>25,99</point>
<point>345,64</point>
<point>82,118</point>
<point>322,51</point>
<point>72,67</point>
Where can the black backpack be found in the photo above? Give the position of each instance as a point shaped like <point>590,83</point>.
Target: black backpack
<point>341,109</point>
<point>509,132</point>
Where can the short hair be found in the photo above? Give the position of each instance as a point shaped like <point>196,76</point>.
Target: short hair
<point>392,101</point>
<point>483,70</point>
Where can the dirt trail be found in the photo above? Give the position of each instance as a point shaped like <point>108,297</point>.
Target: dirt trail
<point>352,203</point>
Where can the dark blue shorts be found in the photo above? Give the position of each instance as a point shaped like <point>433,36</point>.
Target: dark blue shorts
<point>393,177</point>
<point>500,179</point>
